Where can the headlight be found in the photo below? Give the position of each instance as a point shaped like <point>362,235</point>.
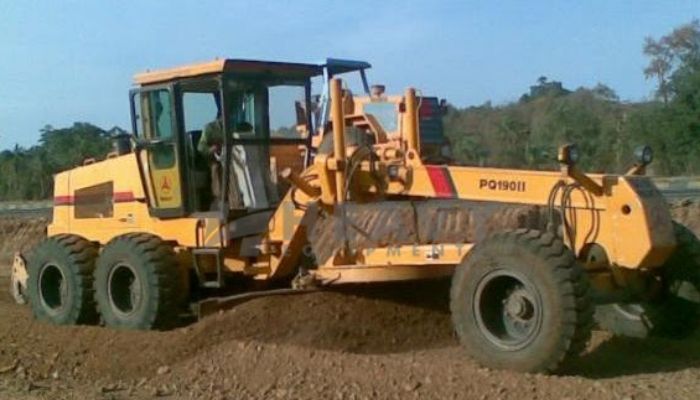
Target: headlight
<point>568,154</point>
<point>573,154</point>
<point>644,155</point>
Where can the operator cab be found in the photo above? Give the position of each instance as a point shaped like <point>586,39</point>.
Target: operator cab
<point>179,116</point>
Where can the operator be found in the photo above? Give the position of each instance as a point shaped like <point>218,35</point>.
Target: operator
<point>211,148</point>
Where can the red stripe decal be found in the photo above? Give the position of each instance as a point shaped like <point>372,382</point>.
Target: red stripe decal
<point>441,180</point>
<point>123,197</point>
<point>62,200</point>
<point>117,197</point>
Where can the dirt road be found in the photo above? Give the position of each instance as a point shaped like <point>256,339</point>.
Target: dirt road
<point>391,341</point>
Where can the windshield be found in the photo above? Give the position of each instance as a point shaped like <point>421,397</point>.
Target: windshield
<point>273,109</point>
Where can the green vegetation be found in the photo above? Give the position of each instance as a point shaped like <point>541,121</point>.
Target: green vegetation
<point>26,174</point>
<point>524,134</point>
<point>527,133</point>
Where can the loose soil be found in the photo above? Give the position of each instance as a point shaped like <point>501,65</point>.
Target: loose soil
<point>359,342</point>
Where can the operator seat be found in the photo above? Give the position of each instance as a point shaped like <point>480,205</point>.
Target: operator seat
<point>251,165</point>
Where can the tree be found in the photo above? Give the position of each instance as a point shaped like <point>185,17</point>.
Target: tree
<point>673,127</point>
<point>27,174</point>
<point>680,47</point>
<point>604,92</point>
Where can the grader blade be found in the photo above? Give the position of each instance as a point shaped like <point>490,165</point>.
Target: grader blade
<point>213,305</point>
<point>396,223</point>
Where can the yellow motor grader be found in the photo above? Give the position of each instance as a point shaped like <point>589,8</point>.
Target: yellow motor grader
<point>220,190</point>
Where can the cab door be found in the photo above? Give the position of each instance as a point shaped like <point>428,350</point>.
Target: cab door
<point>159,149</point>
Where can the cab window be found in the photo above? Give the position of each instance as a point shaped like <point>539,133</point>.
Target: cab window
<point>156,111</point>
<point>249,107</point>
<point>287,113</point>
<point>199,109</point>
<point>385,113</point>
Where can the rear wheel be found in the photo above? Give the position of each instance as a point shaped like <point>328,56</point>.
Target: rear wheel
<point>59,280</point>
<point>138,283</point>
<point>675,313</point>
<point>520,301</point>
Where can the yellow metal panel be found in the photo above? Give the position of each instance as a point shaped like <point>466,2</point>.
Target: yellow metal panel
<point>600,219</point>
<point>152,77</point>
<point>130,211</point>
<point>122,170</point>
<point>381,273</point>
<point>166,186</point>
<point>183,231</point>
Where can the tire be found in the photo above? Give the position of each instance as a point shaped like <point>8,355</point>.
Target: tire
<point>138,283</point>
<point>59,282</point>
<point>675,313</point>
<point>520,301</point>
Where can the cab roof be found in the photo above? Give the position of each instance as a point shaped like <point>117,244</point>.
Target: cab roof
<point>236,66</point>
<point>252,67</point>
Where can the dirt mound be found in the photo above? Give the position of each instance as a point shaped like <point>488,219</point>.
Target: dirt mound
<point>388,341</point>
<point>364,320</point>
<point>354,319</point>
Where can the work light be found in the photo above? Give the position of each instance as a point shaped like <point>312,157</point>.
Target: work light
<point>644,155</point>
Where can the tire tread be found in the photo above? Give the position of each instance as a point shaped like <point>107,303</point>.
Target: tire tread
<point>572,280</point>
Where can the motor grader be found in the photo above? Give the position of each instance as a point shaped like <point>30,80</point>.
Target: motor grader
<point>343,195</point>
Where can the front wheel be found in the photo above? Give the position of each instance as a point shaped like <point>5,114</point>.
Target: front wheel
<point>520,301</point>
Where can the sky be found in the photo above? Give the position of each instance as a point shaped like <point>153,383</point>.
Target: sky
<point>67,61</point>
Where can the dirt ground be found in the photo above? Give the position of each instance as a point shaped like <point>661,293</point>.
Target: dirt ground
<point>389,341</point>
<point>361,342</point>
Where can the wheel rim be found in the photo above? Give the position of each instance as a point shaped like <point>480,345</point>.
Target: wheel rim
<point>630,310</point>
<point>508,309</point>
<point>53,288</point>
<point>124,290</point>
